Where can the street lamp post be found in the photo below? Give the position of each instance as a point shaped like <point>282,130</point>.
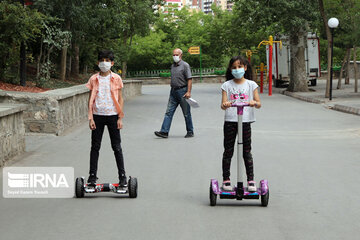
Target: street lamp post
<point>332,23</point>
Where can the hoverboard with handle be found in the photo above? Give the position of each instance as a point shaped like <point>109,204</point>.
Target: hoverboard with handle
<point>239,192</point>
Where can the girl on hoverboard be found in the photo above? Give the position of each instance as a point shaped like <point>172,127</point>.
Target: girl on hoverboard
<point>238,87</point>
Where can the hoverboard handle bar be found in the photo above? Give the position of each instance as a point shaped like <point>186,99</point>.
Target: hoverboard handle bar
<point>240,106</point>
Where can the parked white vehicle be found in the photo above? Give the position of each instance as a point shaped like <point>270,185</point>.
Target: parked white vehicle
<point>281,60</point>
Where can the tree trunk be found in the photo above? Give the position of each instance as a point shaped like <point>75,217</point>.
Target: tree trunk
<point>124,69</point>
<point>355,71</point>
<point>75,64</point>
<point>298,76</point>
<point>39,59</point>
<point>63,63</point>
<point>347,70</point>
<point>64,57</point>
<point>48,62</point>
<point>342,68</point>
<point>68,66</point>
<point>23,64</point>
<point>125,56</point>
<point>328,36</point>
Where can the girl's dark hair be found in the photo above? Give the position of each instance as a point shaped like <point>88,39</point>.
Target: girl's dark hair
<point>245,62</point>
<point>106,54</point>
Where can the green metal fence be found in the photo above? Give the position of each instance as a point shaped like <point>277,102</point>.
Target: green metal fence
<point>166,73</point>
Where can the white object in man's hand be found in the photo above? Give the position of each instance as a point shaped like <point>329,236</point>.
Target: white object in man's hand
<point>192,102</point>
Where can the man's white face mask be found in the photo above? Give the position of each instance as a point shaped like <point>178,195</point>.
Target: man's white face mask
<point>176,58</point>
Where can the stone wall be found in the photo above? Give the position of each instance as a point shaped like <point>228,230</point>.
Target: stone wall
<point>351,69</point>
<point>57,110</point>
<point>324,74</point>
<point>12,131</point>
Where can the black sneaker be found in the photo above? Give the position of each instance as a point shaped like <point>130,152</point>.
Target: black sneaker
<point>92,180</point>
<point>189,135</point>
<point>123,181</point>
<point>161,134</point>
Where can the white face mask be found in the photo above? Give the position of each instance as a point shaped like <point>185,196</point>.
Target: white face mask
<point>176,58</point>
<point>104,66</point>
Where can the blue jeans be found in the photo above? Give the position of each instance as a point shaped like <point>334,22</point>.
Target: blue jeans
<point>176,98</point>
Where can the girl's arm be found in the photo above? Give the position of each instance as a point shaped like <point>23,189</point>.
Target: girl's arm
<point>256,102</point>
<point>224,101</point>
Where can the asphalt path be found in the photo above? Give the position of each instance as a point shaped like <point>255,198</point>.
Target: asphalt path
<point>309,154</point>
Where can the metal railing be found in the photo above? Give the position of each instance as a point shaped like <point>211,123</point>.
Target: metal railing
<point>166,72</point>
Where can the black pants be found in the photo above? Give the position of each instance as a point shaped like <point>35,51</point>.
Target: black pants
<point>230,132</point>
<point>96,137</point>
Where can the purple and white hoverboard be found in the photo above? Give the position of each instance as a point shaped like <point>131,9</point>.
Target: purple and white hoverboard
<point>239,192</point>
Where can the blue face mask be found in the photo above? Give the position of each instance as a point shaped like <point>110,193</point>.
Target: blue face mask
<point>238,73</point>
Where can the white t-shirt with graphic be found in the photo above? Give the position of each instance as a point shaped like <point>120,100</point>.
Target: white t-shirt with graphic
<point>104,104</point>
<point>240,92</point>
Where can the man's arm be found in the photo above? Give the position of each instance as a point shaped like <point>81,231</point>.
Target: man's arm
<point>189,86</point>
<point>189,82</point>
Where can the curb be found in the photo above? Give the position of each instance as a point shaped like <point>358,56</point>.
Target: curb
<point>346,109</point>
<point>337,107</point>
<point>303,98</point>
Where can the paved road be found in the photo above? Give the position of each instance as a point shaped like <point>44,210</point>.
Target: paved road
<point>309,154</point>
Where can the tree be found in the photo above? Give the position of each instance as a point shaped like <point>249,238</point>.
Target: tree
<point>347,34</point>
<point>74,18</point>
<point>296,18</point>
<point>17,25</point>
<point>137,15</point>
<point>53,37</point>
<point>293,18</point>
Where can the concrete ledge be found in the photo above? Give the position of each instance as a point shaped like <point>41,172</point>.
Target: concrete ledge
<point>8,109</point>
<point>57,110</point>
<point>12,131</point>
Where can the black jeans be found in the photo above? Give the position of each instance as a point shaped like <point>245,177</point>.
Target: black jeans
<point>230,132</point>
<point>96,137</point>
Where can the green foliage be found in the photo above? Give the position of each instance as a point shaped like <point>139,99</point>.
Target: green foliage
<point>348,12</point>
<point>184,30</point>
<point>44,75</point>
<point>17,24</point>
<point>150,52</point>
<point>144,38</point>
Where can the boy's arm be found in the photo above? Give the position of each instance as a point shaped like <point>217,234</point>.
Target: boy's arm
<point>92,125</point>
<point>121,103</point>
<point>121,100</point>
<point>89,99</point>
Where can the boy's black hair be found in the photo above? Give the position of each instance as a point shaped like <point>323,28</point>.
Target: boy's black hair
<point>243,61</point>
<point>106,54</point>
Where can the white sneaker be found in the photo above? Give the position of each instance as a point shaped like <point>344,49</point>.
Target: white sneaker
<point>251,186</point>
<point>226,186</point>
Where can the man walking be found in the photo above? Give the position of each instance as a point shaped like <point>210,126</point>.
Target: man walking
<point>181,83</point>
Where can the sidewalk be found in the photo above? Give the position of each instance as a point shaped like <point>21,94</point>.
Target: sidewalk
<point>344,99</point>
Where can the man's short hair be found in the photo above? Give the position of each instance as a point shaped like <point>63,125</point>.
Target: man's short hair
<point>181,52</point>
<point>106,54</point>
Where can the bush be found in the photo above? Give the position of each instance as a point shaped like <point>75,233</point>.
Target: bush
<point>164,74</point>
<point>219,72</point>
